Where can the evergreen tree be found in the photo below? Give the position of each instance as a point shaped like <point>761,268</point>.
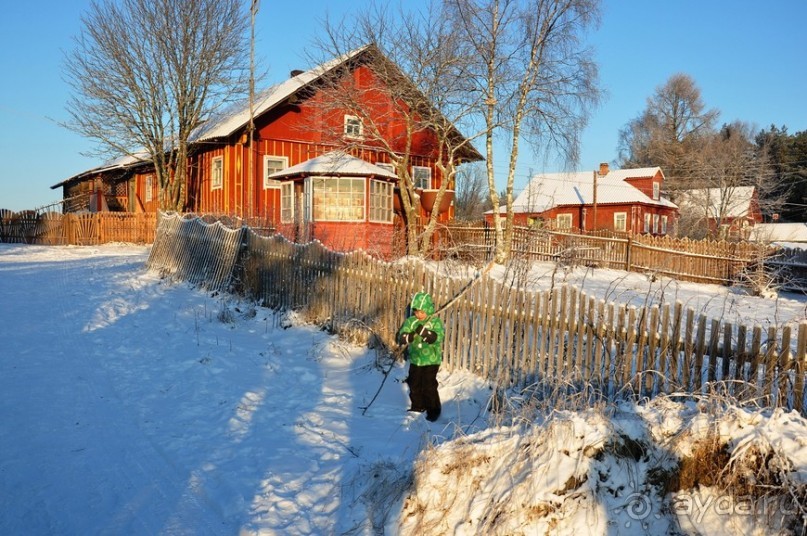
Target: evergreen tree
<point>787,153</point>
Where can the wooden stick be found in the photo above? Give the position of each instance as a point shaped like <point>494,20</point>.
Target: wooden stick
<point>398,352</point>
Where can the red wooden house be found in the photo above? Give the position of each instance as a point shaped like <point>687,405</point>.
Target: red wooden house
<point>295,176</point>
<point>620,200</point>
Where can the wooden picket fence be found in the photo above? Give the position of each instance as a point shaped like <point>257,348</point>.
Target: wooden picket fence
<point>700,261</point>
<point>191,250</point>
<point>789,266</point>
<point>512,336</point>
<point>52,228</point>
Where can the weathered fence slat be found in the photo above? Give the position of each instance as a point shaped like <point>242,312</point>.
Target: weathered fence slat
<point>511,336</point>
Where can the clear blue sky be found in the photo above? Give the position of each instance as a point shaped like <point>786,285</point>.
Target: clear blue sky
<point>749,60</point>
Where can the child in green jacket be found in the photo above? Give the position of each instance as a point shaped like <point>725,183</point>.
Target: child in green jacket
<point>424,334</point>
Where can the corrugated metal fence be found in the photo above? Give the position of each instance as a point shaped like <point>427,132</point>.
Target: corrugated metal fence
<point>509,335</point>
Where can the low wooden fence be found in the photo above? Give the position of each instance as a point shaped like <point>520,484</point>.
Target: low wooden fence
<point>512,336</point>
<point>789,269</point>
<point>700,261</point>
<point>191,250</point>
<point>52,228</point>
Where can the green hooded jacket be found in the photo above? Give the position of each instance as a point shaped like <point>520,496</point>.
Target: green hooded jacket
<point>420,352</point>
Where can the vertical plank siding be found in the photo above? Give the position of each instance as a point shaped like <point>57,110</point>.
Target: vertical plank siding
<point>550,339</point>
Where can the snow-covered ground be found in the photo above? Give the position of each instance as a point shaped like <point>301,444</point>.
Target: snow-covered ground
<point>130,405</point>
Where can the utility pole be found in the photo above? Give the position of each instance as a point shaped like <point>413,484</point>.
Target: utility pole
<point>251,128</point>
<point>594,203</point>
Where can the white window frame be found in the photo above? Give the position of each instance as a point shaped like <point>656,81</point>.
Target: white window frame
<point>656,191</point>
<point>620,221</point>
<point>655,223</point>
<point>664,225</point>
<point>388,167</point>
<point>420,181</point>
<point>149,186</point>
<point>287,202</point>
<point>564,221</point>
<point>217,173</point>
<point>353,127</point>
<point>340,204</point>
<point>379,207</point>
<point>273,184</point>
<point>647,222</point>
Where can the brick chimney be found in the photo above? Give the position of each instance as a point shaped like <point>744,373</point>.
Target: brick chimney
<point>603,169</point>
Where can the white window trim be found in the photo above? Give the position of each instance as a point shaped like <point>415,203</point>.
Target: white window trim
<point>646,222</point>
<point>283,197</point>
<point>623,216</point>
<point>564,221</point>
<point>217,184</point>
<point>349,125</point>
<point>310,199</point>
<point>149,186</point>
<point>390,191</point>
<point>420,168</point>
<point>272,184</point>
<point>656,191</point>
<point>664,225</point>
<point>655,223</point>
<point>388,167</point>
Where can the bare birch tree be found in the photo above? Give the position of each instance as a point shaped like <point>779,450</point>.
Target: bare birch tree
<point>529,77</point>
<point>472,199</point>
<point>493,68</point>
<point>416,66</point>
<point>146,73</point>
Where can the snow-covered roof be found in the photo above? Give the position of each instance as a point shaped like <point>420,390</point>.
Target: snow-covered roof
<point>334,163</point>
<point>548,190</point>
<point>733,202</point>
<point>780,232</point>
<point>121,162</point>
<point>237,116</point>
<point>234,117</point>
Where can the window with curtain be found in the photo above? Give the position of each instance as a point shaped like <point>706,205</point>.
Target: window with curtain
<point>337,198</point>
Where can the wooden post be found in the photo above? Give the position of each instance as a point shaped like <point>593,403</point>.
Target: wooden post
<point>798,368</point>
<point>784,367</point>
<point>594,202</point>
<point>628,246</point>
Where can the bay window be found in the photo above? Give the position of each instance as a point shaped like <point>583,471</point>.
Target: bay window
<point>287,202</point>
<point>337,198</point>
<point>381,201</point>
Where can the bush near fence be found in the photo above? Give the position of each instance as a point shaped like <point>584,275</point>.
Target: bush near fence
<point>511,336</point>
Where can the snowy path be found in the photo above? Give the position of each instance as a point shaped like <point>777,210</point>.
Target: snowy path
<point>134,407</point>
